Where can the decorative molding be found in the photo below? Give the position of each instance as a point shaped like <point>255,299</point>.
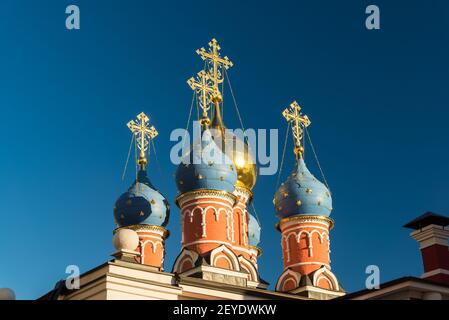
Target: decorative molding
<point>236,248</point>
<point>203,211</point>
<point>154,245</point>
<point>245,228</point>
<point>296,226</point>
<point>321,237</point>
<point>232,227</point>
<point>228,227</point>
<point>145,227</point>
<point>435,272</point>
<point>258,251</point>
<point>182,227</point>
<point>311,289</point>
<point>203,221</point>
<point>217,213</point>
<point>208,193</point>
<point>150,236</point>
<point>308,263</point>
<point>431,235</point>
<point>215,270</point>
<point>203,202</point>
<point>286,222</point>
<point>242,190</point>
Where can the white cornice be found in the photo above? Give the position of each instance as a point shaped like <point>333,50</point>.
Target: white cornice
<point>434,273</point>
<point>431,235</point>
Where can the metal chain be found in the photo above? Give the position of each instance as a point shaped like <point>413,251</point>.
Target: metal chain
<point>158,165</point>
<point>255,213</point>
<point>316,159</point>
<point>283,155</point>
<point>135,162</point>
<point>233,98</point>
<point>190,115</point>
<point>197,106</point>
<point>222,99</point>
<point>127,158</point>
<point>243,128</point>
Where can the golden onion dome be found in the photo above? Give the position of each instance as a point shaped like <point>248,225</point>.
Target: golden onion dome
<point>240,154</point>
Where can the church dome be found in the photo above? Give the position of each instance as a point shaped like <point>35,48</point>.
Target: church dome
<point>206,167</point>
<point>253,231</point>
<point>142,204</point>
<point>302,194</point>
<point>240,154</point>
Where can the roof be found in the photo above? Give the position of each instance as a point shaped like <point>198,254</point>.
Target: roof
<point>391,284</point>
<point>262,293</point>
<point>60,288</point>
<point>426,219</point>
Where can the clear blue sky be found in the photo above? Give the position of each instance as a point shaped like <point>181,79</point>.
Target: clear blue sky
<point>377,99</point>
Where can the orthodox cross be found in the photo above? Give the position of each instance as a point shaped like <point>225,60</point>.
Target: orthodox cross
<point>215,62</point>
<point>204,87</point>
<point>143,133</point>
<point>299,123</point>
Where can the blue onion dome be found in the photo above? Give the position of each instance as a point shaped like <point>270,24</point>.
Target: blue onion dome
<point>253,231</point>
<point>302,194</point>
<point>206,167</point>
<point>142,204</point>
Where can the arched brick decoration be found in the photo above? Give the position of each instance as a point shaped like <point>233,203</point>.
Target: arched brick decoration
<point>186,264</point>
<point>325,283</point>
<point>223,261</point>
<point>288,281</point>
<point>289,284</point>
<point>153,252</point>
<point>221,254</point>
<point>305,243</point>
<point>185,261</point>
<point>248,266</point>
<point>325,279</point>
<point>207,220</point>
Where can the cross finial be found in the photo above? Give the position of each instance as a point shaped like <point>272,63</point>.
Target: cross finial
<point>299,123</point>
<point>143,133</point>
<point>215,65</point>
<point>203,86</point>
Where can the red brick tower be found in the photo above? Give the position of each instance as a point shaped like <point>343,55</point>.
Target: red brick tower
<point>214,184</point>
<point>303,205</point>
<point>143,208</point>
<point>432,234</point>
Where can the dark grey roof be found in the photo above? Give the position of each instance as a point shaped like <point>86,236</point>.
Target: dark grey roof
<point>426,219</point>
<point>390,284</point>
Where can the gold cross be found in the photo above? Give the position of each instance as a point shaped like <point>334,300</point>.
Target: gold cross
<point>215,62</point>
<point>204,87</point>
<point>300,122</point>
<point>144,133</point>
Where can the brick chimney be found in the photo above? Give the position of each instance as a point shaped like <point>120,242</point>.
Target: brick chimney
<point>432,234</point>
